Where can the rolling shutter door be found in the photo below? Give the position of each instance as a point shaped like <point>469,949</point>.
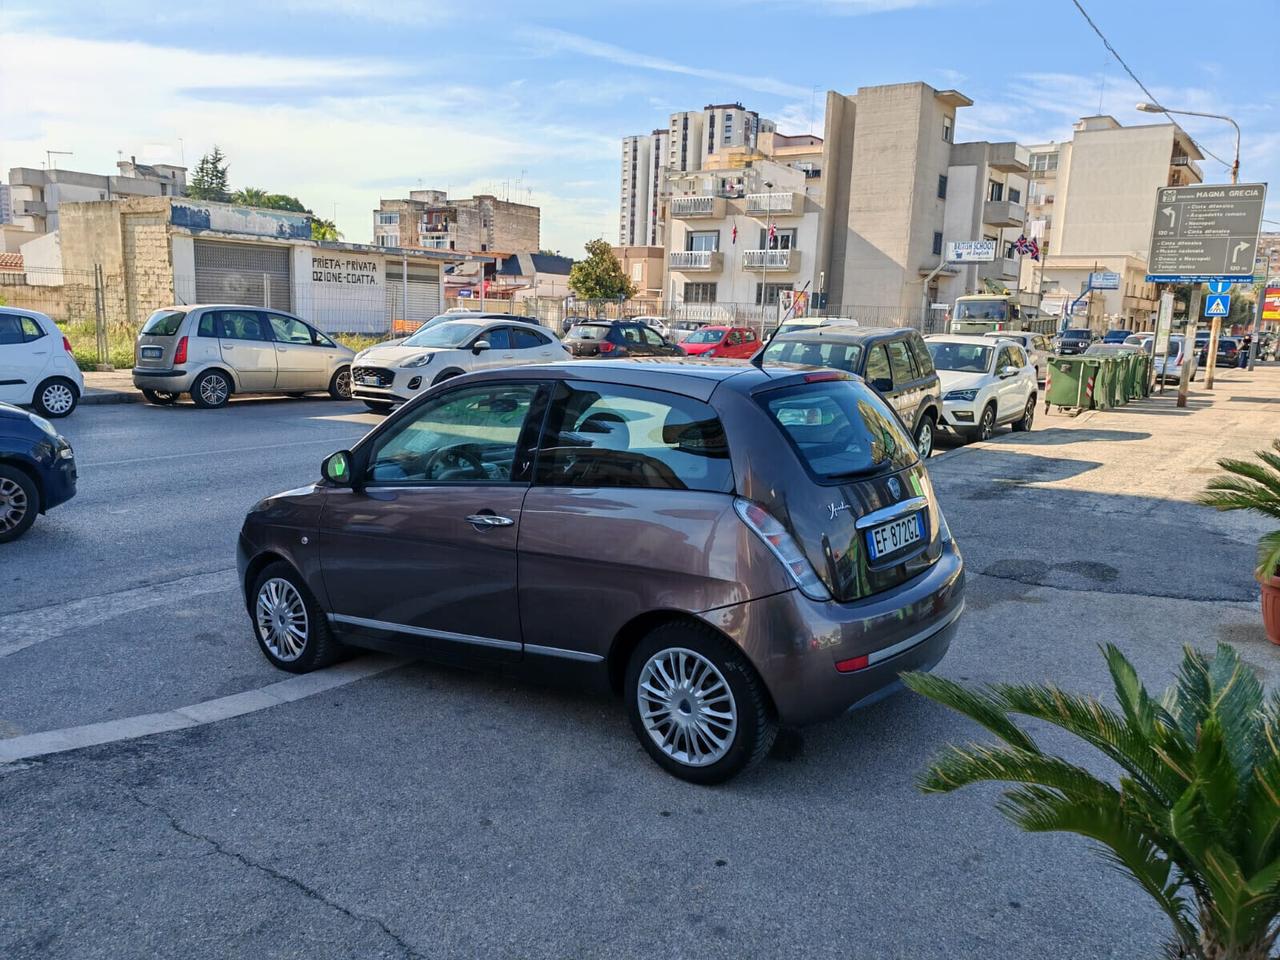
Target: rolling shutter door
<point>249,273</point>
<point>419,299</point>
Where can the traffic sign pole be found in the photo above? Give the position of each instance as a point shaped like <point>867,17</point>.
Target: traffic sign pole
<point>1211,359</point>
<point>1189,342</point>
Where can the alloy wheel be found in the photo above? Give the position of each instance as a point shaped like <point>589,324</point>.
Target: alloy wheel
<point>687,707</point>
<point>282,619</point>
<point>924,439</point>
<point>988,425</point>
<point>58,398</point>
<point>13,505</point>
<point>214,390</point>
<point>343,384</point>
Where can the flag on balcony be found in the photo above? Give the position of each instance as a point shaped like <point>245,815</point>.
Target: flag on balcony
<point>734,235</point>
<point>1027,248</point>
<point>773,231</point>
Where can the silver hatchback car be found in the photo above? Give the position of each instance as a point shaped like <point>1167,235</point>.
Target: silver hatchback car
<point>212,351</point>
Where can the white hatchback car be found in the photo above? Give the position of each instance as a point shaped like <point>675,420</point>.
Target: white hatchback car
<point>36,365</point>
<point>985,382</point>
<point>392,373</point>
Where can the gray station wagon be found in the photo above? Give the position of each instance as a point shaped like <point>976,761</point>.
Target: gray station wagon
<point>212,351</point>
<point>728,547</point>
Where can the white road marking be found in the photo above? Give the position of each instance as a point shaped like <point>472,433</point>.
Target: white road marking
<point>196,714</point>
<point>214,453</point>
<point>21,630</point>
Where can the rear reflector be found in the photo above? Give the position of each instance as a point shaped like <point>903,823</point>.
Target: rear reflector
<point>825,375</point>
<point>180,355</point>
<point>852,665</point>
<point>66,344</point>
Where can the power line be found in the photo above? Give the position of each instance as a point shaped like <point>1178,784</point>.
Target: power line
<point>1134,77</point>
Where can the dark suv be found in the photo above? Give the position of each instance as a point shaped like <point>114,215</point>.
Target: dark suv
<point>1073,341</point>
<point>618,339</point>
<point>729,548</point>
<point>893,360</point>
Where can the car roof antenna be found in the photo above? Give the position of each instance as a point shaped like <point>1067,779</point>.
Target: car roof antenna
<point>758,359</point>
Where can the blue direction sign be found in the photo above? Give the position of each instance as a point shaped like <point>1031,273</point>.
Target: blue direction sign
<point>1217,305</point>
<point>1219,286</point>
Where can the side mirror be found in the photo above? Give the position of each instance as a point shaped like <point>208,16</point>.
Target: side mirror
<point>882,384</point>
<point>479,345</point>
<point>1009,371</point>
<point>336,468</point>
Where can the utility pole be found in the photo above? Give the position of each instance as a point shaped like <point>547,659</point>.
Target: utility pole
<point>1189,341</point>
<point>1257,316</point>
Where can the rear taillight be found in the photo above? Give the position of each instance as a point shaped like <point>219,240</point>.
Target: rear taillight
<point>66,344</point>
<point>180,355</point>
<point>784,547</point>
<point>822,375</point>
<point>607,347</point>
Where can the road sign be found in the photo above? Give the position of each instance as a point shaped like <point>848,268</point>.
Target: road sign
<point>1206,232</point>
<point>1219,286</point>
<point>1217,305</point>
<point>971,251</point>
<point>1106,280</point>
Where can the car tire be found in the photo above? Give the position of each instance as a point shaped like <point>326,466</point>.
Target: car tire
<point>446,375</point>
<point>377,406</point>
<point>55,398</point>
<point>736,689</point>
<point>161,398</point>
<point>19,503</point>
<point>211,390</point>
<point>926,433</point>
<point>1028,416</point>
<point>292,631</point>
<point>340,385</point>
<point>986,427</point>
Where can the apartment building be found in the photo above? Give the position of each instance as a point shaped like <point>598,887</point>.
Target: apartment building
<point>633,214</point>
<point>1092,199</point>
<point>985,194</point>
<point>34,195</point>
<point>430,220</point>
<point>645,267</point>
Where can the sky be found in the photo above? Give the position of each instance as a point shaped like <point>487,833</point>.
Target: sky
<point>341,102</point>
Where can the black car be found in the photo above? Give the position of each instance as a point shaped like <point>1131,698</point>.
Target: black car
<point>615,339</point>
<point>1073,341</point>
<point>1228,351</point>
<point>37,470</point>
<point>893,360</point>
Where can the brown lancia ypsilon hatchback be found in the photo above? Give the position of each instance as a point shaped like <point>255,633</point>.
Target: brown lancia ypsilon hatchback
<point>728,547</point>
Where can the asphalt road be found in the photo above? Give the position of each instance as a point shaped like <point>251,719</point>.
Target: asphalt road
<point>426,812</point>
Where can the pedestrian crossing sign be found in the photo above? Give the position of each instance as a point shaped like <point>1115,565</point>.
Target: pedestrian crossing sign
<point>1217,305</point>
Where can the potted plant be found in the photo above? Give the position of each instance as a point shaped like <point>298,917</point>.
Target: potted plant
<point>1255,486</point>
<point>1195,815</point>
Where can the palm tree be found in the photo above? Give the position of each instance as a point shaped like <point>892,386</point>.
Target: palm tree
<point>250,197</point>
<point>324,230</point>
<point>1195,817</point>
<point>1252,486</point>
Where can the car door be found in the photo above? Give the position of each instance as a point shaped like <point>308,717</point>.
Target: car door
<point>424,550</point>
<point>533,346</point>
<point>500,352</point>
<point>24,355</point>
<point>907,391</point>
<point>302,362</point>
<point>634,340</point>
<point>247,348</point>
<point>749,343</point>
<point>1010,389</point>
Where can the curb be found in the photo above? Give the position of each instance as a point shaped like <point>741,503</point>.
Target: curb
<point>97,397</point>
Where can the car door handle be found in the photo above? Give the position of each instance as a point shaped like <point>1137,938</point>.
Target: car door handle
<point>281,350</point>
<point>482,520</point>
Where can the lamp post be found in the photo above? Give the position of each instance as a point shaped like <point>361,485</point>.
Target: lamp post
<point>1216,326</point>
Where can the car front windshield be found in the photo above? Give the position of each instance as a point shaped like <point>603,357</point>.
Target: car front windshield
<point>449,334</point>
<point>1076,335</point>
<point>981,310</point>
<point>960,357</point>
<point>704,336</point>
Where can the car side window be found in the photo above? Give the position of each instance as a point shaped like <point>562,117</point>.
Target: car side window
<point>288,330</point>
<point>924,362</point>
<point>735,337</point>
<point>1006,359</point>
<point>469,435</point>
<point>240,325</point>
<point>651,337</point>
<point>31,331</point>
<point>608,435</point>
<point>206,327</point>
<point>877,370</point>
<point>499,338</point>
<point>10,330</point>
<point>523,339</point>
<point>900,362</point>
<point>1019,357</point>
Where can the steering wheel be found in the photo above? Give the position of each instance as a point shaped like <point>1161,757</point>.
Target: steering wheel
<point>455,458</point>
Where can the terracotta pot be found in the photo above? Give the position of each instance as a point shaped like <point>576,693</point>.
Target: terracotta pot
<point>1271,606</point>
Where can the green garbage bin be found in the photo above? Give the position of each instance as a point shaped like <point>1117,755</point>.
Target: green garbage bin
<point>1136,371</point>
<point>1064,383</point>
<point>1097,383</point>
<point>1144,374</point>
<point>1120,380</point>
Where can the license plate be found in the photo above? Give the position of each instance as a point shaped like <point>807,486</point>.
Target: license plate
<point>893,536</point>
<point>152,353</point>
<point>367,381</point>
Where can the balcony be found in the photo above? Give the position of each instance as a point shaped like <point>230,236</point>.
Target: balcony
<point>1003,213</point>
<point>33,208</point>
<point>778,204</point>
<point>709,261</point>
<point>780,261</point>
<point>1009,158</point>
<point>685,207</point>
<point>434,243</point>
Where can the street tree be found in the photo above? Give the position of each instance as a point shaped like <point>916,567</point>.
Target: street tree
<point>250,197</point>
<point>600,276</point>
<point>209,182</point>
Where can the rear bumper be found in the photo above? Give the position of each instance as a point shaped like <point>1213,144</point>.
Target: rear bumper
<point>169,381</point>
<point>795,643</point>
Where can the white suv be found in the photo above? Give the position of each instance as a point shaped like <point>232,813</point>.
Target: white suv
<point>392,373</point>
<point>985,382</point>
<point>36,365</point>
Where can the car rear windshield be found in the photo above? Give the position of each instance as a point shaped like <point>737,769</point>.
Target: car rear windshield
<point>164,323</point>
<point>815,353</point>
<point>589,331</point>
<point>840,428</point>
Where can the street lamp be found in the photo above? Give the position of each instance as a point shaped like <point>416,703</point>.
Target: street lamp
<point>1157,108</point>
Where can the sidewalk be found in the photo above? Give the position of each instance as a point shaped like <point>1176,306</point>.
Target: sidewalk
<point>114,387</point>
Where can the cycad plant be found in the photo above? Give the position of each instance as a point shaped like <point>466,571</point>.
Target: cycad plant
<point>1251,486</point>
<point>1195,816</point>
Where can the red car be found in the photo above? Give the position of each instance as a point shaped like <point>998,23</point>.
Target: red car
<point>737,342</point>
